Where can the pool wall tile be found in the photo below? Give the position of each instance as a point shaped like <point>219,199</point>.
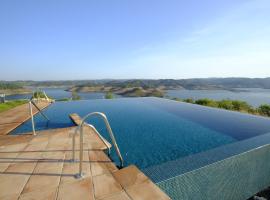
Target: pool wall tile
<point>235,178</point>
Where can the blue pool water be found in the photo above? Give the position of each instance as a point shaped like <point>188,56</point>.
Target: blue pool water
<point>152,131</point>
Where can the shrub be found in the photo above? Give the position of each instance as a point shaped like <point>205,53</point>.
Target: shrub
<point>109,95</point>
<point>75,96</point>
<point>157,93</point>
<point>241,106</point>
<point>207,102</point>
<point>189,100</point>
<point>139,92</point>
<point>63,99</point>
<point>225,104</point>
<point>176,99</point>
<point>38,94</point>
<point>264,110</point>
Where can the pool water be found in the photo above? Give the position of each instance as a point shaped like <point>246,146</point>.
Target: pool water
<point>151,131</point>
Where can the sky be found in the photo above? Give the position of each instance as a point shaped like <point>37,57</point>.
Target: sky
<point>123,39</point>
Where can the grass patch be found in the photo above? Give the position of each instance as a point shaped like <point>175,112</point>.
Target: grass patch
<point>11,104</point>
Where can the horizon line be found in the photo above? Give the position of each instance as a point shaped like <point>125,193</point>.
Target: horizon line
<point>123,79</point>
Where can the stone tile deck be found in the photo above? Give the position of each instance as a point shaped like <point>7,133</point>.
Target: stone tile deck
<point>11,119</point>
<point>39,167</point>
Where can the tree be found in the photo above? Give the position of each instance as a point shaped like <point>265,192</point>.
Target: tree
<point>109,95</point>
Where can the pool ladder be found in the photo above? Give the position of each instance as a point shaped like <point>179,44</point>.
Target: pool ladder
<point>80,129</point>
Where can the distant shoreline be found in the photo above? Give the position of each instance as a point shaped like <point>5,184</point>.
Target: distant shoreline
<point>15,91</point>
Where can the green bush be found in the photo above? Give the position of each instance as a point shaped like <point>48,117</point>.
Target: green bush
<point>189,100</point>
<point>207,102</point>
<point>157,93</point>
<point>225,104</point>
<point>139,92</point>
<point>264,110</point>
<point>75,96</point>
<point>38,94</point>
<point>64,99</point>
<point>234,105</point>
<point>176,99</point>
<point>241,106</point>
<point>109,95</point>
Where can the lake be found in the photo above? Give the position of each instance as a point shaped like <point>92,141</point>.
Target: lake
<point>254,96</point>
<point>59,93</point>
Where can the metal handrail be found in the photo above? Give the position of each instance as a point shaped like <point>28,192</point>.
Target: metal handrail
<point>47,98</point>
<point>80,127</point>
<point>74,141</point>
<point>40,110</point>
<point>32,116</point>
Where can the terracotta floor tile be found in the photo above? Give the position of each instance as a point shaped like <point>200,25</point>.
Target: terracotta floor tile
<point>81,190</point>
<point>105,185</point>
<point>44,175</point>
<point>42,194</point>
<point>11,184</point>
<point>117,196</point>
<point>129,176</point>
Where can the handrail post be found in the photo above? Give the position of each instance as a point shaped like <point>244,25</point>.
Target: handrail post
<point>80,174</point>
<point>32,117</point>
<point>41,112</point>
<point>74,143</point>
<point>80,127</point>
<point>113,139</point>
<point>47,98</point>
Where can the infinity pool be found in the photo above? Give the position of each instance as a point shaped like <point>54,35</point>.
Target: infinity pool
<point>153,131</point>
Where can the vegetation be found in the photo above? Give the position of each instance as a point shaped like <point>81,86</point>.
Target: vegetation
<point>264,110</point>
<point>175,98</point>
<point>10,86</point>
<point>63,99</point>
<point>11,104</point>
<point>38,94</point>
<point>199,83</point>
<point>157,93</point>
<point>234,105</point>
<point>141,92</point>
<point>109,95</point>
<point>189,100</point>
<point>207,102</point>
<point>75,96</point>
